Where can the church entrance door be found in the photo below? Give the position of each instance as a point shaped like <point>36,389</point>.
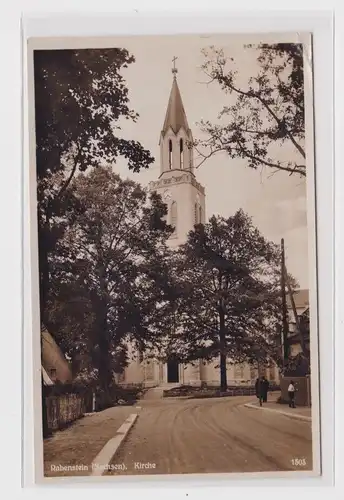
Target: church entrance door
<point>172,370</point>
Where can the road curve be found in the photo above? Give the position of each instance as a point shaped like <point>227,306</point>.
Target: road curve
<point>213,436</point>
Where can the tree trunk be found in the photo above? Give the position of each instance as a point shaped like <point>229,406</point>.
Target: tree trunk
<point>223,354</point>
<point>223,371</point>
<point>104,359</point>
<point>285,322</point>
<point>43,277</point>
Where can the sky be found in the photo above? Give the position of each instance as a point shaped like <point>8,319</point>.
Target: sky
<point>276,203</point>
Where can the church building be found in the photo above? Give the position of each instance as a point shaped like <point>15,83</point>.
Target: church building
<point>186,201</point>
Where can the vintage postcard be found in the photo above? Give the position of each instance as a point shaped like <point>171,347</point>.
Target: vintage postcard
<point>175,204</point>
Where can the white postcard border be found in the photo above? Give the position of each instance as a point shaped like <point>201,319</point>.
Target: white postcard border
<point>199,24</point>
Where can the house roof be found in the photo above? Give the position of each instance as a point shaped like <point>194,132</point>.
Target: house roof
<point>301,299</point>
<point>46,379</point>
<point>175,115</point>
<point>53,358</point>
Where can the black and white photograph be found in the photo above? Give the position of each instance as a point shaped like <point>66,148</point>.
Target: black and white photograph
<point>174,183</point>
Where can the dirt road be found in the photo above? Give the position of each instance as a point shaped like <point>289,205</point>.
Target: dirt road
<point>213,435</point>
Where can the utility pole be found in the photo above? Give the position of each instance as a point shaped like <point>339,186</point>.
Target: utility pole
<point>285,326</point>
<point>296,318</point>
<point>299,328</point>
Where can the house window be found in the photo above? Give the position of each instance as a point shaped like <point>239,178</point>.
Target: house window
<point>170,154</point>
<point>181,153</point>
<point>198,214</point>
<point>174,216</point>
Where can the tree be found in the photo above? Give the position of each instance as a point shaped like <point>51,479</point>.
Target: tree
<point>104,271</point>
<point>80,98</point>
<point>229,307</point>
<point>265,115</point>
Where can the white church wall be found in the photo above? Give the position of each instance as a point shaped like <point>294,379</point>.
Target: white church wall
<point>191,373</point>
<point>237,374</point>
<point>133,373</point>
<point>180,194</point>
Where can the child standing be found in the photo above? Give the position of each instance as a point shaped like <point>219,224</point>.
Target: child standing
<point>291,394</point>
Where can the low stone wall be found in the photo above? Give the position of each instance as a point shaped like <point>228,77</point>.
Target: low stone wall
<point>212,391</point>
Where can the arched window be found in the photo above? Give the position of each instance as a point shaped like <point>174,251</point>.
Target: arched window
<point>200,214</point>
<point>238,372</point>
<point>181,154</point>
<point>170,154</point>
<point>174,216</point>
<point>149,371</point>
<point>253,373</point>
<point>196,214</point>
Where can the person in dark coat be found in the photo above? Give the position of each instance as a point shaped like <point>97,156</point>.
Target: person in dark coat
<point>259,390</point>
<point>257,387</point>
<point>265,389</point>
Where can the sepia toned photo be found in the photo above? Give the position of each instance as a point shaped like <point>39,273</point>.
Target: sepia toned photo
<point>175,202</point>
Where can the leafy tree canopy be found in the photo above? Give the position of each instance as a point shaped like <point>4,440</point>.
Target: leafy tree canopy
<point>80,95</point>
<point>105,283</point>
<point>80,98</point>
<point>229,306</point>
<point>264,123</point>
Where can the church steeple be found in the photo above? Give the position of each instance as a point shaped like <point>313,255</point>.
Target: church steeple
<point>175,115</point>
<point>176,137</point>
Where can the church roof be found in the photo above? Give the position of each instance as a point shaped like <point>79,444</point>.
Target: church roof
<point>175,114</point>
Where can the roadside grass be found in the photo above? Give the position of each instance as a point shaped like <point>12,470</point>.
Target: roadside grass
<point>79,444</point>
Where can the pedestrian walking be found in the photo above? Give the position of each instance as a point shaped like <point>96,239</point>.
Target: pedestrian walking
<point>265,389</point>
<point>291,394</point>
<point>259,390</point>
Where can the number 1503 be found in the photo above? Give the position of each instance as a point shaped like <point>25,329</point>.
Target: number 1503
<point>299,462</point>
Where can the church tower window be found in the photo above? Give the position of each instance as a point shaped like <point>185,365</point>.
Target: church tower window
<point>181,153</point>
<point>174,216</point>
<point>200,214</point>
<point>170,154</point>
<point>196,214</point>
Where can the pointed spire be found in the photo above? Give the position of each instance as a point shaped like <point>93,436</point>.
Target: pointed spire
<point>175,114</point>
<point>174,69</point>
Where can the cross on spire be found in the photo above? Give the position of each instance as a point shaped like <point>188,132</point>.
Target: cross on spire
<point>174,69</point>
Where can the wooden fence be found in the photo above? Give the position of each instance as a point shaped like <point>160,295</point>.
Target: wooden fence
<point>64,409</point>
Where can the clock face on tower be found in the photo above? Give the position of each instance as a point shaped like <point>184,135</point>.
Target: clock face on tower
<point>167,195</point>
